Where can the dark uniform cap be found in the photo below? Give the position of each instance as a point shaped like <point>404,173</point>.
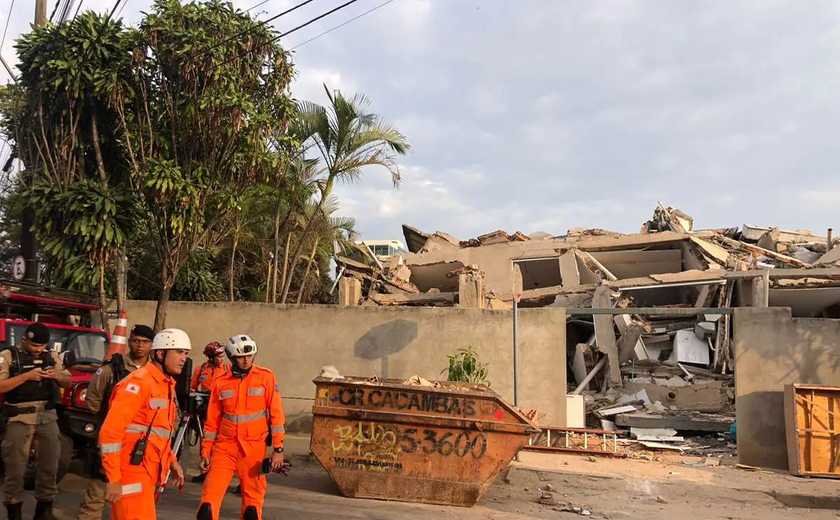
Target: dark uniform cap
<point>38,333</point>
<point>143,331</point>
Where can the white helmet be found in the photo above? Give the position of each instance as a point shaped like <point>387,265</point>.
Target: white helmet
<point>171,339</point>
<point>241,345</point>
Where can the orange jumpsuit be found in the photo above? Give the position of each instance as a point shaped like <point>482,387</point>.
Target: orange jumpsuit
<point>145,397</point>
<point>204,376</point>
<point>235,433</point>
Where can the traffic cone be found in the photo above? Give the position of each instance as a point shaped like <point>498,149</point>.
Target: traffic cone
<point>119,339</point>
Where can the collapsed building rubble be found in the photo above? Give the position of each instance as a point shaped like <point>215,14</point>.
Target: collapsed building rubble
<point>649,314</point>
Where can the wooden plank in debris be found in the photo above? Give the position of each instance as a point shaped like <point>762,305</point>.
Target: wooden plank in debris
<point>605,334</point>
<point>765,252</point>
<point>676,422</point>
<point>443,298</point>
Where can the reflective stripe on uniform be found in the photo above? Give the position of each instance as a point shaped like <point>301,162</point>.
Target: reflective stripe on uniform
<point>278,429</point>
<point>210,436</point>
<point>111,448</point>
<point>157,404</point>
<point>277,388</point>
<point>139,428</point>
<point>225,394</point>
<point>243,418</point>
<point>131,489</point>
<point>256,391</point>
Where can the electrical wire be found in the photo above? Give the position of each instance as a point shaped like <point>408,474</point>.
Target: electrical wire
<point>6,30</point>
<point>339,26</point>
<point>260,24</point>
<point>78,8</point>
<point>255,6</point>
<point>55,9</point>
<point>299,27</point>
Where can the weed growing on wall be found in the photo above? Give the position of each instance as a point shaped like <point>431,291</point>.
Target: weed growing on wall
<point>464,367</point>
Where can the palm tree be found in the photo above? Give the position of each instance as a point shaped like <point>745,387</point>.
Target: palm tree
<point>347,138</point>
<point>330,236</point>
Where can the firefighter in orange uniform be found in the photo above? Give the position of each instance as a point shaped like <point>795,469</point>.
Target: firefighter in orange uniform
<point>135,437</point>
<point>204,375</point>
<point>244,416</point>
<point>203,379</point>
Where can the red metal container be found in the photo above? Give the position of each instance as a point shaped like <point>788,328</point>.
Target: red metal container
<point>441,444</point>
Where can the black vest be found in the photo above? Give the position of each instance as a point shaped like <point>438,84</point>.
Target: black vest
<point>44,390</point>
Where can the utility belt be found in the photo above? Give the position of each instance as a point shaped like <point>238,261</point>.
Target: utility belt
<point>10,411</point>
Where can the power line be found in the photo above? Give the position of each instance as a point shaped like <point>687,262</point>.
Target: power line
<point>342,24</point>
<point>78,8</point>
<point>255,6</point>
<point>260,24</point>
<point>299,27</point>
<point>121,9</point>
<point>55,9</point>
<point>9,19</point>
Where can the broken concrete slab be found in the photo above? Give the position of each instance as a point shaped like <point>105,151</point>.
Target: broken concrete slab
<point>652,432</point>
<point>698,423</point>
<point>615,410</point>
<point>754,234</point>
<point>605,334</point>
<point>430,298</point>
<point>830,258</point>
<point>569,274</point>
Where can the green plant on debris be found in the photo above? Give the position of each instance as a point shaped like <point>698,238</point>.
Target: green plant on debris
<point>464,367</point>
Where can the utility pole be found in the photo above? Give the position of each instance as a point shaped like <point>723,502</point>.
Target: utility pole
<point>40,12</point>
<point>28,239</point>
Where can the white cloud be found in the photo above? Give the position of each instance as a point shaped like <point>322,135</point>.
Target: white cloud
<point>550,115</point>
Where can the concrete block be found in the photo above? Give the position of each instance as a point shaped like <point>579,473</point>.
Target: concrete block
<point>575,411</point>
<point>349,291</point>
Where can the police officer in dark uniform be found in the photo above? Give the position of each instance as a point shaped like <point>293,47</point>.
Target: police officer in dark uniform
<point>29,377</point>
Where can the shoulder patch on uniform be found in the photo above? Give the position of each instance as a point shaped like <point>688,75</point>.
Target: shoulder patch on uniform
<point>276,387</point>
<point>131,387</point>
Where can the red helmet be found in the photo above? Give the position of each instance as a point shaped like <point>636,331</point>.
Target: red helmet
<point>214,349</point>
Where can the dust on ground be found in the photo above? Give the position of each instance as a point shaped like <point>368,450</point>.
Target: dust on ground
<point>537,486</point>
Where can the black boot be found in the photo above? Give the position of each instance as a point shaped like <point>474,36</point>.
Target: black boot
<point>44,511</point>
<point>199,478</point>
<point>15,511</point>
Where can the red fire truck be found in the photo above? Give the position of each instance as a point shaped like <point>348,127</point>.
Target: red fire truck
<point>68,315</point>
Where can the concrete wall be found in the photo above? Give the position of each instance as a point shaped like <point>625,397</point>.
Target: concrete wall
<point>771,350</point>
<point>296,342</point>
<point>496,260</point>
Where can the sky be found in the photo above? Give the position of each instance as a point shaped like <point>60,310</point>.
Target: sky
<point>544,115</point>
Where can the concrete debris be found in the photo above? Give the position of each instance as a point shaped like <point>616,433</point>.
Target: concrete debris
<point>670,354</point>
<point>331,372</point>
<point>419,381</point>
